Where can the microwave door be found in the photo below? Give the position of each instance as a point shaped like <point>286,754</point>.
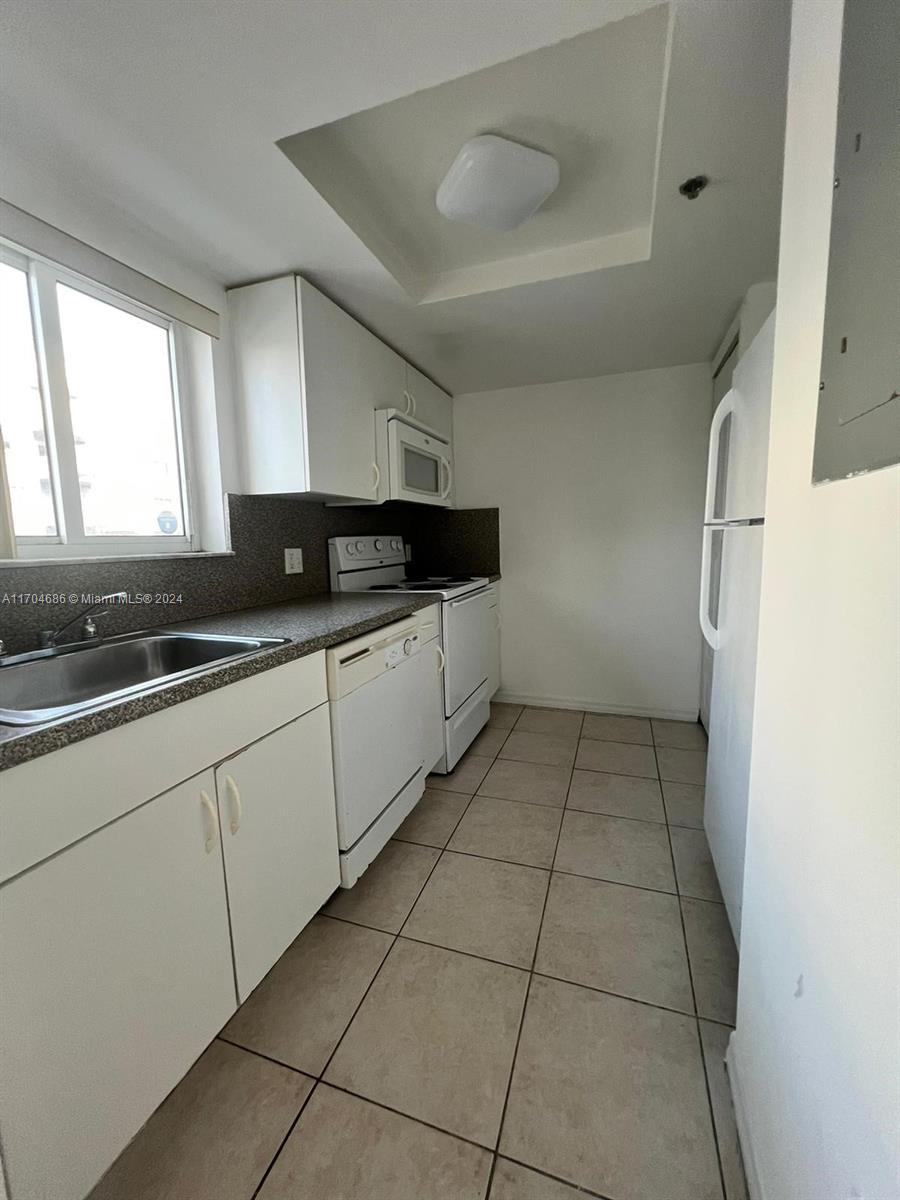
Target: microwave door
<point>420,466</point>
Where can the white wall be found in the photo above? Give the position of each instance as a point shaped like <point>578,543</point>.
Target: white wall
<point>600,487</point>
<point>816,1057</point>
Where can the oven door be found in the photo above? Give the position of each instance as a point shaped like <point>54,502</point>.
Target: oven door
<point>420,465</point>
<point>466,624</point>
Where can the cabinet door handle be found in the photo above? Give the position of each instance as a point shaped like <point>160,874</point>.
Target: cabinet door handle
<point>235,797</point>
<point>410,403</point>
<point>377,474</point>
<point>441,660</point>
<point>213,827</point>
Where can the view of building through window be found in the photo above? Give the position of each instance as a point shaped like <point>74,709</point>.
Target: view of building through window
<point>115,466</point>
<point>21,415</point>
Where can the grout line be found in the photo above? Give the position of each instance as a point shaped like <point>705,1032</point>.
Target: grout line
<point>320,1077</point>
<point>578,1188</point>
<point>283,1142</point>
<point>537,941</point>
<point>687,953</point>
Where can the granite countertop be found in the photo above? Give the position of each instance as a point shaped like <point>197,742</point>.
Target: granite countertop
<point>310,625</point>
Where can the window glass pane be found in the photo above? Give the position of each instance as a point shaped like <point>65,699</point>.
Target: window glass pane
<point>21,414</point>
<point>123,418</point>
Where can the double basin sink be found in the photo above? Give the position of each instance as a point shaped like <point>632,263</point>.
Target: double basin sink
<point>49,684</point>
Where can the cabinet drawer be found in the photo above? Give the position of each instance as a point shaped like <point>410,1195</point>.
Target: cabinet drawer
<point>50,802</point>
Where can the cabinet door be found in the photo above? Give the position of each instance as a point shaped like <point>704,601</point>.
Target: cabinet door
<point>347,373</point>
<point>431,669</point>
<point>279,833</point>
<point>494,643</point>
<point>116,974</point>
<point>428,404</point>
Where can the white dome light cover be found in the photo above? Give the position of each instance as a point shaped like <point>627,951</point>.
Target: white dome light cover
<point>496,183</point>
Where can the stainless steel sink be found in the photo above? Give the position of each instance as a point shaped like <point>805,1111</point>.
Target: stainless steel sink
<point>54,683</point>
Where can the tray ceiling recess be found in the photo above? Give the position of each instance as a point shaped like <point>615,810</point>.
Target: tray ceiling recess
<point>594,102</point>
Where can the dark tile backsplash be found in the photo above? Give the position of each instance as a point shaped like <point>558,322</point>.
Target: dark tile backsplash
<point>442,540</point>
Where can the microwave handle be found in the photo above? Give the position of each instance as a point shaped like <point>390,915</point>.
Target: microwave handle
<point>445,463</point>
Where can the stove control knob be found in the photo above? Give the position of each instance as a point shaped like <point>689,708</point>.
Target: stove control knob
<point>360,546</point>
<point>351,549</point>
<point>379,544</point>
<point>395,544</point>
<point>408,646</point>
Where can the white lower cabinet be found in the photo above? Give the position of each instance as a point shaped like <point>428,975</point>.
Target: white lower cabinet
<point>116,973</point>
<point>279,836</point>
<point>432,669</point>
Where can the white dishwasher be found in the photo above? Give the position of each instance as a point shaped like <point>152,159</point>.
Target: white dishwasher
<point>378,737</point>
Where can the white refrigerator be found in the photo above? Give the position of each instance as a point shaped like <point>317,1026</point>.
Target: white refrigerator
<point>729,603</point>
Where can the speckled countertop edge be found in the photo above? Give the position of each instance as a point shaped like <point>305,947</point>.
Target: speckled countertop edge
<point>310,625</point>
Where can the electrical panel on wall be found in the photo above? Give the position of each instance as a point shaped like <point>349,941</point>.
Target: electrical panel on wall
<point>858,422</point>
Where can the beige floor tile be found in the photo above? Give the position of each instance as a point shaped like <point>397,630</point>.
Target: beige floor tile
<point>433,819</point>
<point>504,716</point>
<point>215,1134</point>
<point>715,1042</point>
<point>682,766</point>
<point>684,804</point>
<point>531,783</point>
<point>616,758</point>
<point>435,1038</point>
<point>512,1182</point>
<point>610,1095</point>
<point>615,849</point>
<point>682,735</point>
<point>551,749</point>
<point>384,895</point>
<point>616,795</point>
<point>520,833</point>
<point>608,727</point>
<point>299,1011</point>
<point>465,777</point>
<point>564,722</point>
<point>344,1148</point>
<point>620,939</point>
<point>482,907</point>
<point>694,864</point>
<point>714,959</point>
<point>489,741</point>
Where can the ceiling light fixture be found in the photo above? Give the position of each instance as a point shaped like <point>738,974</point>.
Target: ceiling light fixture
<point>496,183</point>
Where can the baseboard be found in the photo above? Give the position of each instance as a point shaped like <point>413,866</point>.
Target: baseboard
<point>629,710</point>
<point>751,1169</point>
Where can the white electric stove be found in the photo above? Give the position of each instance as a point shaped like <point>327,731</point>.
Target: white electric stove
<point>378,564</point>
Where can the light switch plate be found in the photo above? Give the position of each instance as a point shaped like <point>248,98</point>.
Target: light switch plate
<point>293,561</point>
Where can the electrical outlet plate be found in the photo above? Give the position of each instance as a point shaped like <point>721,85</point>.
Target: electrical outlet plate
<point>293,561</point>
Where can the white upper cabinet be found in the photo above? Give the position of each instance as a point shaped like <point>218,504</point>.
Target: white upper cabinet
<point>346,374</point>
<point>308,380</point>
<point>427,404</point>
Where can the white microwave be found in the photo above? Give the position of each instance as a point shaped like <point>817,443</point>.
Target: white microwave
<point>413,462</point>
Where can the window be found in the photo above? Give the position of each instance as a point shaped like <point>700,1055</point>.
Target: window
<point>90,417</point>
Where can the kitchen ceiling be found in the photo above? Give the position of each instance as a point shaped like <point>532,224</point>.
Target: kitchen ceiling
<point>594,102</point>
<point>166,118</point>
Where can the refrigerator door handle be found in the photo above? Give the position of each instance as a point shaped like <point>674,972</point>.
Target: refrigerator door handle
<point>725,409</point>
<point>709,631</point>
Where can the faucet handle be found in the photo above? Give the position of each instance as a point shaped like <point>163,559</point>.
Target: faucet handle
<point>89,627</point>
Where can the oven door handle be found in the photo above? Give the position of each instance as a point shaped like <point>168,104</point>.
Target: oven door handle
<point>445,465</point>
<point>479,595</point>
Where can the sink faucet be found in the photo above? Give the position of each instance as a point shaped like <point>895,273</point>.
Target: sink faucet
<point>49,638</point>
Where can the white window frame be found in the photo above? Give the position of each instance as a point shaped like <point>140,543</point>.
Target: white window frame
<point>71,541</point>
